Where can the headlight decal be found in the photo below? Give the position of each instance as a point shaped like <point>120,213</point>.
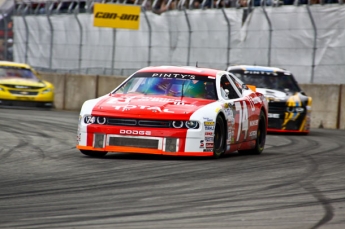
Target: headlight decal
<point>192,124</point>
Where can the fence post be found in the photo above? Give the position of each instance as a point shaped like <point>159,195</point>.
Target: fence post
<point>5,22</point>
<point>23,13</point>
<point>150,32</point>
<point>76,12</point>
<point>229,36</point>
<point>315,43</point>
<point>263,6</point>
<point>189,37</point>
<point>49,9</point>
<point>113,53</point>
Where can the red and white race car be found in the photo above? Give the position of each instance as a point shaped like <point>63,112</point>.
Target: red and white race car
<point>180,111</point>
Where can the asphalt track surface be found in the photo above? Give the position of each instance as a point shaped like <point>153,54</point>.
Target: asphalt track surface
<point>298,182</point>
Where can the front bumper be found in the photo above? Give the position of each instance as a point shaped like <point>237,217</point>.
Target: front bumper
<point>160,141</point>
<point>18,103</point>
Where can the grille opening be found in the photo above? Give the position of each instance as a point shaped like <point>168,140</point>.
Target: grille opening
<point>171,145</point>
<point>134,142</point>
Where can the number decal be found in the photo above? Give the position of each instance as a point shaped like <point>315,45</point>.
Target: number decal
<point>243,119</point>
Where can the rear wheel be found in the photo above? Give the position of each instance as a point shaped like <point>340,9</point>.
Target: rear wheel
<point>93,153</point>
<point>261,137</point>
<point>219,138</point>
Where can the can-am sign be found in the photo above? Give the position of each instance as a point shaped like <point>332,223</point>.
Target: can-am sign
<point>116,16</point>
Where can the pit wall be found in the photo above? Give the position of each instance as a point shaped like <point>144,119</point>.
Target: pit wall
<point>328,105</point>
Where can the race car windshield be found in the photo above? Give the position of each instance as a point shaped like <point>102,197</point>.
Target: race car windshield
<point>197,87</point>
<point>18,73</point>
<point>280,82</point>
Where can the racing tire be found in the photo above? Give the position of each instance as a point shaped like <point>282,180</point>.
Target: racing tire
<point>260,139</point>
<point>91,153</point>
<point>219,138</point>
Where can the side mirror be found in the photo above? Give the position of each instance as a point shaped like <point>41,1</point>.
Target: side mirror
<point>252,87</point>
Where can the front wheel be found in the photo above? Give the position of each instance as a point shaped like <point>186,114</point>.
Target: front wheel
<point>219,136</point>
<point>260,138</point>
<point>91,153</point>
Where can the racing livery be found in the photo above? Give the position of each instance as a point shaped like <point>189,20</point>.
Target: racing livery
<point>289,107</point>
<point>180,111</point>
<point>20,85</point>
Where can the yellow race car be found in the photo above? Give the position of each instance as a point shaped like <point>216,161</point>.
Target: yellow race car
<point>21,86</point>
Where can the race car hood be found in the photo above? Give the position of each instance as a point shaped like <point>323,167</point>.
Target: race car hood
<point>290,99</point>
<point>275,95</point>
<point>148,106</point>
<point>23,82</point>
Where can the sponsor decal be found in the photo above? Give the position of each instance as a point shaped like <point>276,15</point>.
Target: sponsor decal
<point>208,150</point>
<point>21,86</point>
<point>209,139</point>
<point>209,145</point>
<point>229,113</point>
<point>271,115</point>
<point>253,134</point>
<point>209,134</point>
<point>209,123</point>
<point>254,123</point>
<point>209,127</point>
<point>142,107</point>
<point>136,132</point>
<point>253,72</point>
<point>202,144</point>
<point>126,100</point>
<point>208,119</point>
<point>116,16</point>
<point>173,75</point>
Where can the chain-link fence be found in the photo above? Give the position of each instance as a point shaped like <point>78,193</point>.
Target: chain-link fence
<point>307,39</point>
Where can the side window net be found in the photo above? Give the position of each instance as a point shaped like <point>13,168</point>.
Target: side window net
<point>226,85</point>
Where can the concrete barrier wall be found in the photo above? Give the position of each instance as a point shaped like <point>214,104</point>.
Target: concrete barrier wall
<point>325,106</point>
<point>328,106</point>
<point>107,83</point>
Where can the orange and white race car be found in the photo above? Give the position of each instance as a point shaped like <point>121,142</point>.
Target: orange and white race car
<point>180,111</point>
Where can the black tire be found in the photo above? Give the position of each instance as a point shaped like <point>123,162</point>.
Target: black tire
<point>93,153</point>
<point>261,137</point>
<point>219,138</point>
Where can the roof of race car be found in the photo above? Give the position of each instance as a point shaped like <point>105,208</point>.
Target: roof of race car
<point>256,68</point>
<point>182,69</point>
<point>14,64</point>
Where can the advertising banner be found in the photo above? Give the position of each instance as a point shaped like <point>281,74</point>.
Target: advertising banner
<point>116,16</point>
